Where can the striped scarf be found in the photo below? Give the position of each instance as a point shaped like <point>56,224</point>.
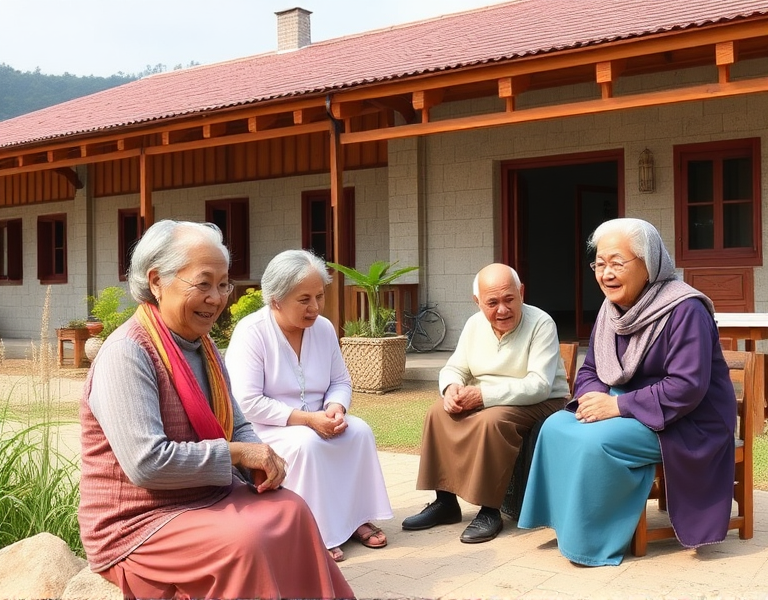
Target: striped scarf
<point>206,423</point>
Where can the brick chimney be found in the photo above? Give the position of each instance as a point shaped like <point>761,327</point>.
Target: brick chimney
<point>293,29</point>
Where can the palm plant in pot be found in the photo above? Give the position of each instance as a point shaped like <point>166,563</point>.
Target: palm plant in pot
<point>375,358</point>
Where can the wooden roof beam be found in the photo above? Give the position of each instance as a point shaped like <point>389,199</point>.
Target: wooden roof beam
<point>566,59</point>
<point>509,87</point>
<point>68,162</point>
<point>606,73</point>
<point>345,110</point>
<point>261,123</point>
<point>70,175</point>
<point>214,130</point>
<point>586,107</point>
<point>303,116</point>
<point>25,160</point>
<point>725,56</point>
<point>399,104</point>
<point>424,100</point>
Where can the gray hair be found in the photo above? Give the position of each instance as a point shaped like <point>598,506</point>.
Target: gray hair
<point>476,282</point>
<point>165,247</point>
<point>644,241</point>
<point>286,270</point>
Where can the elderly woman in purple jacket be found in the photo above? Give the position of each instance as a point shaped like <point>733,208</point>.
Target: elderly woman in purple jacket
<point>654,387</point>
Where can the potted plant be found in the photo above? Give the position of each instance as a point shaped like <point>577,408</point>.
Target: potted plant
<point>105,307</point>
<point>375,358</point>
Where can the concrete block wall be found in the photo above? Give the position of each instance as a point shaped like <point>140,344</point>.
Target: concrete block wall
<point>462,198</point>
<point>22,313</point>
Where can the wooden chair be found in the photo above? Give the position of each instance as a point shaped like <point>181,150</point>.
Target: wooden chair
<point>727,343</point>
<point>513,501</point>
<point>569,351</point>
<point>741,365</point>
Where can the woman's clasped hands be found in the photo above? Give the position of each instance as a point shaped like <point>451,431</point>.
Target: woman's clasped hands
<point>597,406</point>
<point>328,423</point>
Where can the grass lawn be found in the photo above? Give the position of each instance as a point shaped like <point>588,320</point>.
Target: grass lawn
<point>397,417</point>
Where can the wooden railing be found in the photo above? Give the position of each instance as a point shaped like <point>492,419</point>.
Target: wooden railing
<point>400,296</point>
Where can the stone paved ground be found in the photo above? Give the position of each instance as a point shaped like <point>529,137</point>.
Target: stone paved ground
<point>518,563</point>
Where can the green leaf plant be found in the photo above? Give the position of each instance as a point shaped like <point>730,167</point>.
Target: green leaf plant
<point>378,275</point>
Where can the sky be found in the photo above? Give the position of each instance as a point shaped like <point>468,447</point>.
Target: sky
<point>106,37</point>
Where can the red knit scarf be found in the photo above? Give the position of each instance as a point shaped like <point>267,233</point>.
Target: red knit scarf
<point>208,424</point>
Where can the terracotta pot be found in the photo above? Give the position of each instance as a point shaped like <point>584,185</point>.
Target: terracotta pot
<point>94,327</point>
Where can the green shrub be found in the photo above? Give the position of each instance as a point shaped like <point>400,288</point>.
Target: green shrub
<point>249,302</point>
<point>106,308</point>
<point>76,324</point>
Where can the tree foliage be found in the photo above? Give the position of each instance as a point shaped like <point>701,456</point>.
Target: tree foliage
<point>25,92</point>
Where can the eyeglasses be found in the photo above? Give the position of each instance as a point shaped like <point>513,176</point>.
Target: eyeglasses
<point>224,289</point>
<point>617,266</point>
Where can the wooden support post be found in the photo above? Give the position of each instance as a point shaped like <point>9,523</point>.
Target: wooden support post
<point>340,238</point>
<point>424,100</point>
<point>146,183</point>
<point>606,73</point>
<point>509,87</point>
<point>725,56</point>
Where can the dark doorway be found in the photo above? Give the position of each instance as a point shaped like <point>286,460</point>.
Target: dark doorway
<point>551,207</point>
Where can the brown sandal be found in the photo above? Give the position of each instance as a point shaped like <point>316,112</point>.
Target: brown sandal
<point>370,536</point>
<point>337,554</point>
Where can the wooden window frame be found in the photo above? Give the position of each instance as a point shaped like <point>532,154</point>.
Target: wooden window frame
<point>48,247</point>
<point>11,252</point>
<point>348,222</point>
<point>236,233</point>
<point>717,152</point>
<point>125,242</point>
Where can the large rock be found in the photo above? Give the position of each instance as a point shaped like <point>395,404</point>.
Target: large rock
<point>87,585</point>
<point>37,567</point>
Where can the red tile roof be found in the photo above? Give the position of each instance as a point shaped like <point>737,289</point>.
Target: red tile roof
<point>495,33</point>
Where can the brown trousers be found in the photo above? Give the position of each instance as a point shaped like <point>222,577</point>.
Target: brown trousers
<point>473,454</point>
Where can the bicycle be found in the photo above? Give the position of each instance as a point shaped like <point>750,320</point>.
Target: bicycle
<point>425,330</point>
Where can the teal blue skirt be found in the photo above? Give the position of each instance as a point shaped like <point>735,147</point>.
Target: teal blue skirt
<point>589,482</point>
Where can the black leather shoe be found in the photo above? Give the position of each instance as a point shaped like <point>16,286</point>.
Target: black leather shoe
<point>483,528</point>
<point>437,513</point>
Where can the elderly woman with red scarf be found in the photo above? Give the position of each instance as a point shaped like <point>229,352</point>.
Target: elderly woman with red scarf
<point>654,387</point>
<point>179,497</point>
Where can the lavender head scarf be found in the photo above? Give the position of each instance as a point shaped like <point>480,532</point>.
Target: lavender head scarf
<point>645,320</point>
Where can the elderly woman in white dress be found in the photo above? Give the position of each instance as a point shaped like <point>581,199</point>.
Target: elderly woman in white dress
<point>290,380</point>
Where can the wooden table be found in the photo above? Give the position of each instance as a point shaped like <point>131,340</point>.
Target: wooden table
<point>77,336</point>
<point>750,327</point>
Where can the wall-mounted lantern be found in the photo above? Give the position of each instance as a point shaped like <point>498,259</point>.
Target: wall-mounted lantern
<point>645,173</point>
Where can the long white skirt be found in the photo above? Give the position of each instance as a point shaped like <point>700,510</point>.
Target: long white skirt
<point>340,479</point>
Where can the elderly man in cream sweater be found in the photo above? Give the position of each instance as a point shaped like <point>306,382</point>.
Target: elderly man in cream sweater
<point>505,375</point>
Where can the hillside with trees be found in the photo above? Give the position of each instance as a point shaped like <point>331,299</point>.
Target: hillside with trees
<point>24,92</point>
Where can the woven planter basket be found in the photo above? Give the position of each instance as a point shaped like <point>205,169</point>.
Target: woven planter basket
<point>376,365</point>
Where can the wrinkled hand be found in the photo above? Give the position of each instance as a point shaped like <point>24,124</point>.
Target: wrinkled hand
<point>597,406</point>
<point>328,423</point>
<point>266,467</point>
<point>462,398</point>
